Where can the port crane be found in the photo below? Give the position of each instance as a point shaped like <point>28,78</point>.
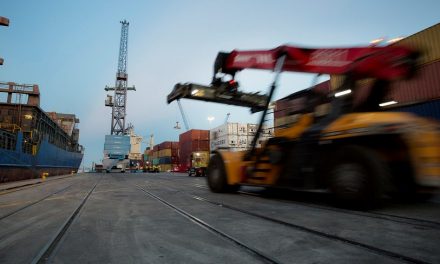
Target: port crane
<point>117,145</point>
<point>119,101</point>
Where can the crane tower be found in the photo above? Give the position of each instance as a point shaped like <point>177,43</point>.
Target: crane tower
<point>119,100</point>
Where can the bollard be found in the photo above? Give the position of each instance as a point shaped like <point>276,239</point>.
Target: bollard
<point>44,175</point>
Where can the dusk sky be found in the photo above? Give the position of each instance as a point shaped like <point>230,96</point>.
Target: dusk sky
<point>70,49</point>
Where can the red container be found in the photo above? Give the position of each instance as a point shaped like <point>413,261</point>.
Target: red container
<point>424,86</point>
<point>175,152</point>
<point>323,87</point>
<point>156,148</point>
<point>174,160</point>
<point>165,145</point>
<point>189,142</point>
<point>204,135</point>
<point>287,107</point>
<point>174,145</point>
<point>194,134</point>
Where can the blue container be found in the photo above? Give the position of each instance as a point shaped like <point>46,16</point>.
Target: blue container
<point>165,160</point>
<point>116,146</point>
<point>113,139</point>
<point>429,109</point>
<point>117,156</point>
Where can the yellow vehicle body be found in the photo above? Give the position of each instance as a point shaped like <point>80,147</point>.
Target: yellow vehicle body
<point>402,139</point>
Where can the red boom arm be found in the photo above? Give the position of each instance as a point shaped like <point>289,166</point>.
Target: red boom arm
<point>385,63</point>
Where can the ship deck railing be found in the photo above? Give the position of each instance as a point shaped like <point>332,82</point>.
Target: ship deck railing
<point>8,140</point>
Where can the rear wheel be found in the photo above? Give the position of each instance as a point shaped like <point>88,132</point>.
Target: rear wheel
<point>357,176</point>
<point>217,181</point>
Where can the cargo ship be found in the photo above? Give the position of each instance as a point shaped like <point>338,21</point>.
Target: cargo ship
<point>35,143</point>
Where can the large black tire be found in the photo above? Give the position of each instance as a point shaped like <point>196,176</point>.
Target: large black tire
<point>217,181</point>
<point>358,176</point>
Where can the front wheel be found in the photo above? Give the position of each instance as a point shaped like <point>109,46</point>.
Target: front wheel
<point>216,178</point>
<point>357,176</point>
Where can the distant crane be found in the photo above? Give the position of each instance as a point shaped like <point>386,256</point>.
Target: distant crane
<point>177,126</point>
<point>151,141</point>
<point>185,121</point>
<point>227,117</point>
<point>119,100</point>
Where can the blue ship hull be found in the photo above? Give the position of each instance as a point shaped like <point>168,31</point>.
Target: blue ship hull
<point>16,165</point>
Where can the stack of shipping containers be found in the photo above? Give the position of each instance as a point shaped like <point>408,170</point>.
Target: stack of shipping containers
<point>420,94</point>
<point>287,109</point>
<point>193,142</point>
<point>168,155</point>
<point>116,147</point>
<point>154,157</point>
<point>146,156</point>
<point>236,136</point>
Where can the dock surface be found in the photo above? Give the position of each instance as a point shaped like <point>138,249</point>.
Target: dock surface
<point>173,218</point>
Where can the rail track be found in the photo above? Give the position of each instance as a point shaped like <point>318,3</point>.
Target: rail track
<point>311,231</point>
<point>369,214</point>
<point>265,258</point>
<point>45,253</point>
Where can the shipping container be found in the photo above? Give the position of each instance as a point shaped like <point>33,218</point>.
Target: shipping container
<point>175,152</point>
<point>252,129</point>
<point>296,102</point>
<point>175,159</point>
<point>166,167</point>
<point>242,141</point>
<point>430,109</point>
<point>164,152</point>
<point>121,153</point>
<point>223,130</point>
<point>175,145</point>
<point>194,134</point>
<point>116,138</point>
<point>167,145</point>
<point>226,141</point>
<point>424,86</point>
<point>426,41</point>
<point>147,151</point>
<point>165,160</point>
<point>117,147</point>
<point>220,140</point>
<point>285,121</point>
<point>173,149</point>
<point>189,142</point>
<point>242,130</point>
